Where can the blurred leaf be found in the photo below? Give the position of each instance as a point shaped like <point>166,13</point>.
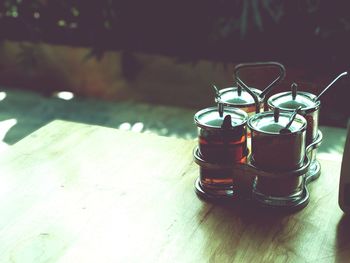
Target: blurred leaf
<point>257,16</point>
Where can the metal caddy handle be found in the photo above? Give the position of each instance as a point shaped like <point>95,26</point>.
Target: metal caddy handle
<point>241,84</point>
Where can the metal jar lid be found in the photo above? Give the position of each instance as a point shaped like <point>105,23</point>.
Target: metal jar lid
<point>234,96</point>
<point>268,123</point>
<point>210,118</point>
<point>293,99</point>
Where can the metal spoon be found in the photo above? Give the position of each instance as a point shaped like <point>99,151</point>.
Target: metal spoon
<point>217,92</point>
<point>330,84</point>
<point>286,129</point>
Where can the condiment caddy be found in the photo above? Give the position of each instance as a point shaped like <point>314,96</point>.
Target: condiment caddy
<point>272,162</point>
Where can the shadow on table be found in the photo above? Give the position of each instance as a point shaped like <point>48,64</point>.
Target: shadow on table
<point>244,226</point>
<point>230,229</point>
<point>343,239</point>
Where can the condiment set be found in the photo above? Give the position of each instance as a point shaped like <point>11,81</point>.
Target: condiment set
<point>267,158</point>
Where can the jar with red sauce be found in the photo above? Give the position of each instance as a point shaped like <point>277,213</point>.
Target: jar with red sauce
<point>279,154</point>
<point>291,100</point>
<point>310,107</point>
<point>236,97</point>
<point>222,143</point>
<point>273,150</point>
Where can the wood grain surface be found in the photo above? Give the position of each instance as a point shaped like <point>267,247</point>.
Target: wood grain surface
<point>78,193</point>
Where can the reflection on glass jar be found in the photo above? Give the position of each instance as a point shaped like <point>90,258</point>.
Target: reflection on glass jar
<point>224,145</point>
<point>279,187</point>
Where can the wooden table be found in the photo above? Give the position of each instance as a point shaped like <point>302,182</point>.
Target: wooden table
<point>79,193</point>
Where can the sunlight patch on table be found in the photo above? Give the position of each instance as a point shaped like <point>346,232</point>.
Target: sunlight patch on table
<point>2,95</point>
<point>137,127</point>
<point>65,95</point>
<point>335,156</point>
<point>125,126</point>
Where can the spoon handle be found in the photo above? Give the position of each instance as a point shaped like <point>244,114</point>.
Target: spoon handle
<point>292,117</point>
<point>330,84</point>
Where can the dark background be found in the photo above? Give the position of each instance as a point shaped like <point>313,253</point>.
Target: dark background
<point>313,36</point>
